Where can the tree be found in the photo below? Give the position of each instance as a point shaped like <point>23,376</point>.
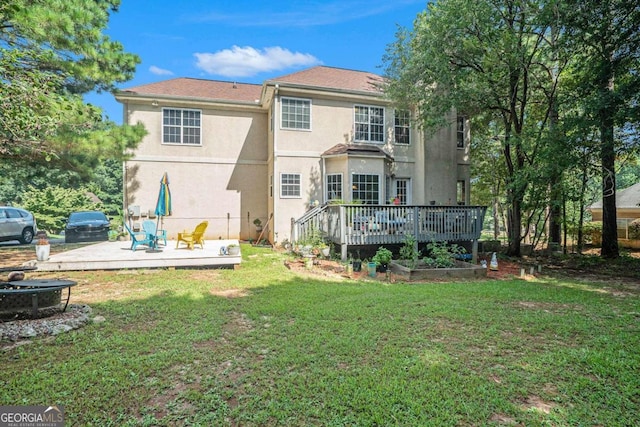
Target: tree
<point>52,52</point>
<point>52,205</point>
<point>605,38</point>
<point>490,59</point>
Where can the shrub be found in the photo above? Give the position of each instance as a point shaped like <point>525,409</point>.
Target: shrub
<point>409,251</point>
<point>382,256</point>
<point>634,229</point>
<point>592,232</point>
<point>442,255</point>
<point>52,205</point>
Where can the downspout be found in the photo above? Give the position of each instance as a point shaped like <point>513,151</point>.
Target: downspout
<point>125,195</point>
<point>274,178</point>
<point>325,193</point>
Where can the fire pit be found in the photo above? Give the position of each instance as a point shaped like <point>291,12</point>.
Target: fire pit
<point>33,298</point>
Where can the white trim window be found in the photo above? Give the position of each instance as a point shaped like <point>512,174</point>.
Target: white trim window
<point>369,124</point>
<point>295,113</point>
<point>460,131</point>
<point>334,186</point>
<point>402,190</point>
<point>365,188</point>
<point>290,186</point>
<point>402,129</point>
<point>181,126</point>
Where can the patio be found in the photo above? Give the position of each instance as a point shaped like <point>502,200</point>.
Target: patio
<point>118,255</point>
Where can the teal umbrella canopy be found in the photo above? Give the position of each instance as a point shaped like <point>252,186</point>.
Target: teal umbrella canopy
<point>163,207</point>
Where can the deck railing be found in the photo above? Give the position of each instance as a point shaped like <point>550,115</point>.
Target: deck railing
<point>385,224</point>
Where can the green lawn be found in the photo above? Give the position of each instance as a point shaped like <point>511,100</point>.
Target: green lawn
<point>293,351</point>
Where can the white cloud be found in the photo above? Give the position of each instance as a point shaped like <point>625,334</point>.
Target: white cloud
<point>160,71</point>
<point>248,61</point>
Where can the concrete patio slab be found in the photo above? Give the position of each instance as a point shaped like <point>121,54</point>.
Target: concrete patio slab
<point>118,255</point>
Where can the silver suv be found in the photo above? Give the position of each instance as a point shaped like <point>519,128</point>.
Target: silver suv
<point>17,224</point>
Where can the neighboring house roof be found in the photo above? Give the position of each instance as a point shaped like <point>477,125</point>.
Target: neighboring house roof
<point>199,88</point>
<point>334,78</point>
<point>628,198</point>
<point>362,149</point>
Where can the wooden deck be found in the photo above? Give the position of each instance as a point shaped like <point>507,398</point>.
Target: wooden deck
<point>357,225</point>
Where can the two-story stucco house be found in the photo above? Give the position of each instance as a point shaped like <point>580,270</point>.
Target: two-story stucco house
<point>235,152</point>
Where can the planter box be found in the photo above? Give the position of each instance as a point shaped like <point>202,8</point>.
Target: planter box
<point>463,270</point>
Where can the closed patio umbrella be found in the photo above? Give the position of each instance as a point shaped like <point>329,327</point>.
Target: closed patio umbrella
<point>163,207</point>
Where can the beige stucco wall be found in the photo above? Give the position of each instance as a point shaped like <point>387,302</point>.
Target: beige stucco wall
<point>621,213</point>
<point>234,176</point>
<point>222,181</point>
<point>441,157</point>
<point>299,151</point>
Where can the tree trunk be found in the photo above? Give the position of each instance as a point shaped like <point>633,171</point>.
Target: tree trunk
<point>585,179</point>
<point>606,114</point>
<point>514,226</point>
<point>555,213</point>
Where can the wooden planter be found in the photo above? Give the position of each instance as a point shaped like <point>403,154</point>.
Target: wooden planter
<point>462,270</point>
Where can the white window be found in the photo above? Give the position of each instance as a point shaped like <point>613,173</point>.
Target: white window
<point>365,189</point>
<point>402,191</point>
<point>460,131</point>
<point>296,113</point>
<point>181,126</point>
<point>369,124</point>
<point>334,186</point>
<point>290,185</point>
<point>402,126</point>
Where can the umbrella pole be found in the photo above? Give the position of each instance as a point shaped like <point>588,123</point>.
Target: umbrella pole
<point>155,238</point>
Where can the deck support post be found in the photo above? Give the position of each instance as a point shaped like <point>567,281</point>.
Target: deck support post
<point>474,252</point>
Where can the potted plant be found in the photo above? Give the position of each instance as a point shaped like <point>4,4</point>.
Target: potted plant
<point>43,247</point>
<point>371,268</point>
<point>233,249</point>
<point>357,264</point>
<point>258,223</point>
<point>382,258</point>
<point>325,250</point>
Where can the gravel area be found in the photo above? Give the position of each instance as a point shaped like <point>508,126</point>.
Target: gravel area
<point>75,317</point>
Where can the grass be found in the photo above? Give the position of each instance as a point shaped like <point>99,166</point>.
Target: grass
<point>287,349</point>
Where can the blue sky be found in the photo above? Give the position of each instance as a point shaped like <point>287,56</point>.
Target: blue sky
<point>250,41</point>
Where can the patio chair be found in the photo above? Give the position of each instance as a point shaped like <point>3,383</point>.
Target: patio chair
<point>138,238</point>
<point>150,227</point>
<point>196,237</point>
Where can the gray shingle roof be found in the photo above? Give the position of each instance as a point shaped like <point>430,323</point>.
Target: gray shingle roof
<point>334,78</point>
<point>626,198</point>
<point>316,77</point>
<point>363,149</point>
<point>200,88</point>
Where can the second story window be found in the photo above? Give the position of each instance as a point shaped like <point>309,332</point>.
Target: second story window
<point>369,124</point>
<point>181,126</point>
<point>460,131</point>
<point>296,113</point>
<point>402,127</point>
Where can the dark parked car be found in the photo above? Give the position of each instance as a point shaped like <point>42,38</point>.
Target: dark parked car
<point>16,224</point>
<point>88,226</point>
